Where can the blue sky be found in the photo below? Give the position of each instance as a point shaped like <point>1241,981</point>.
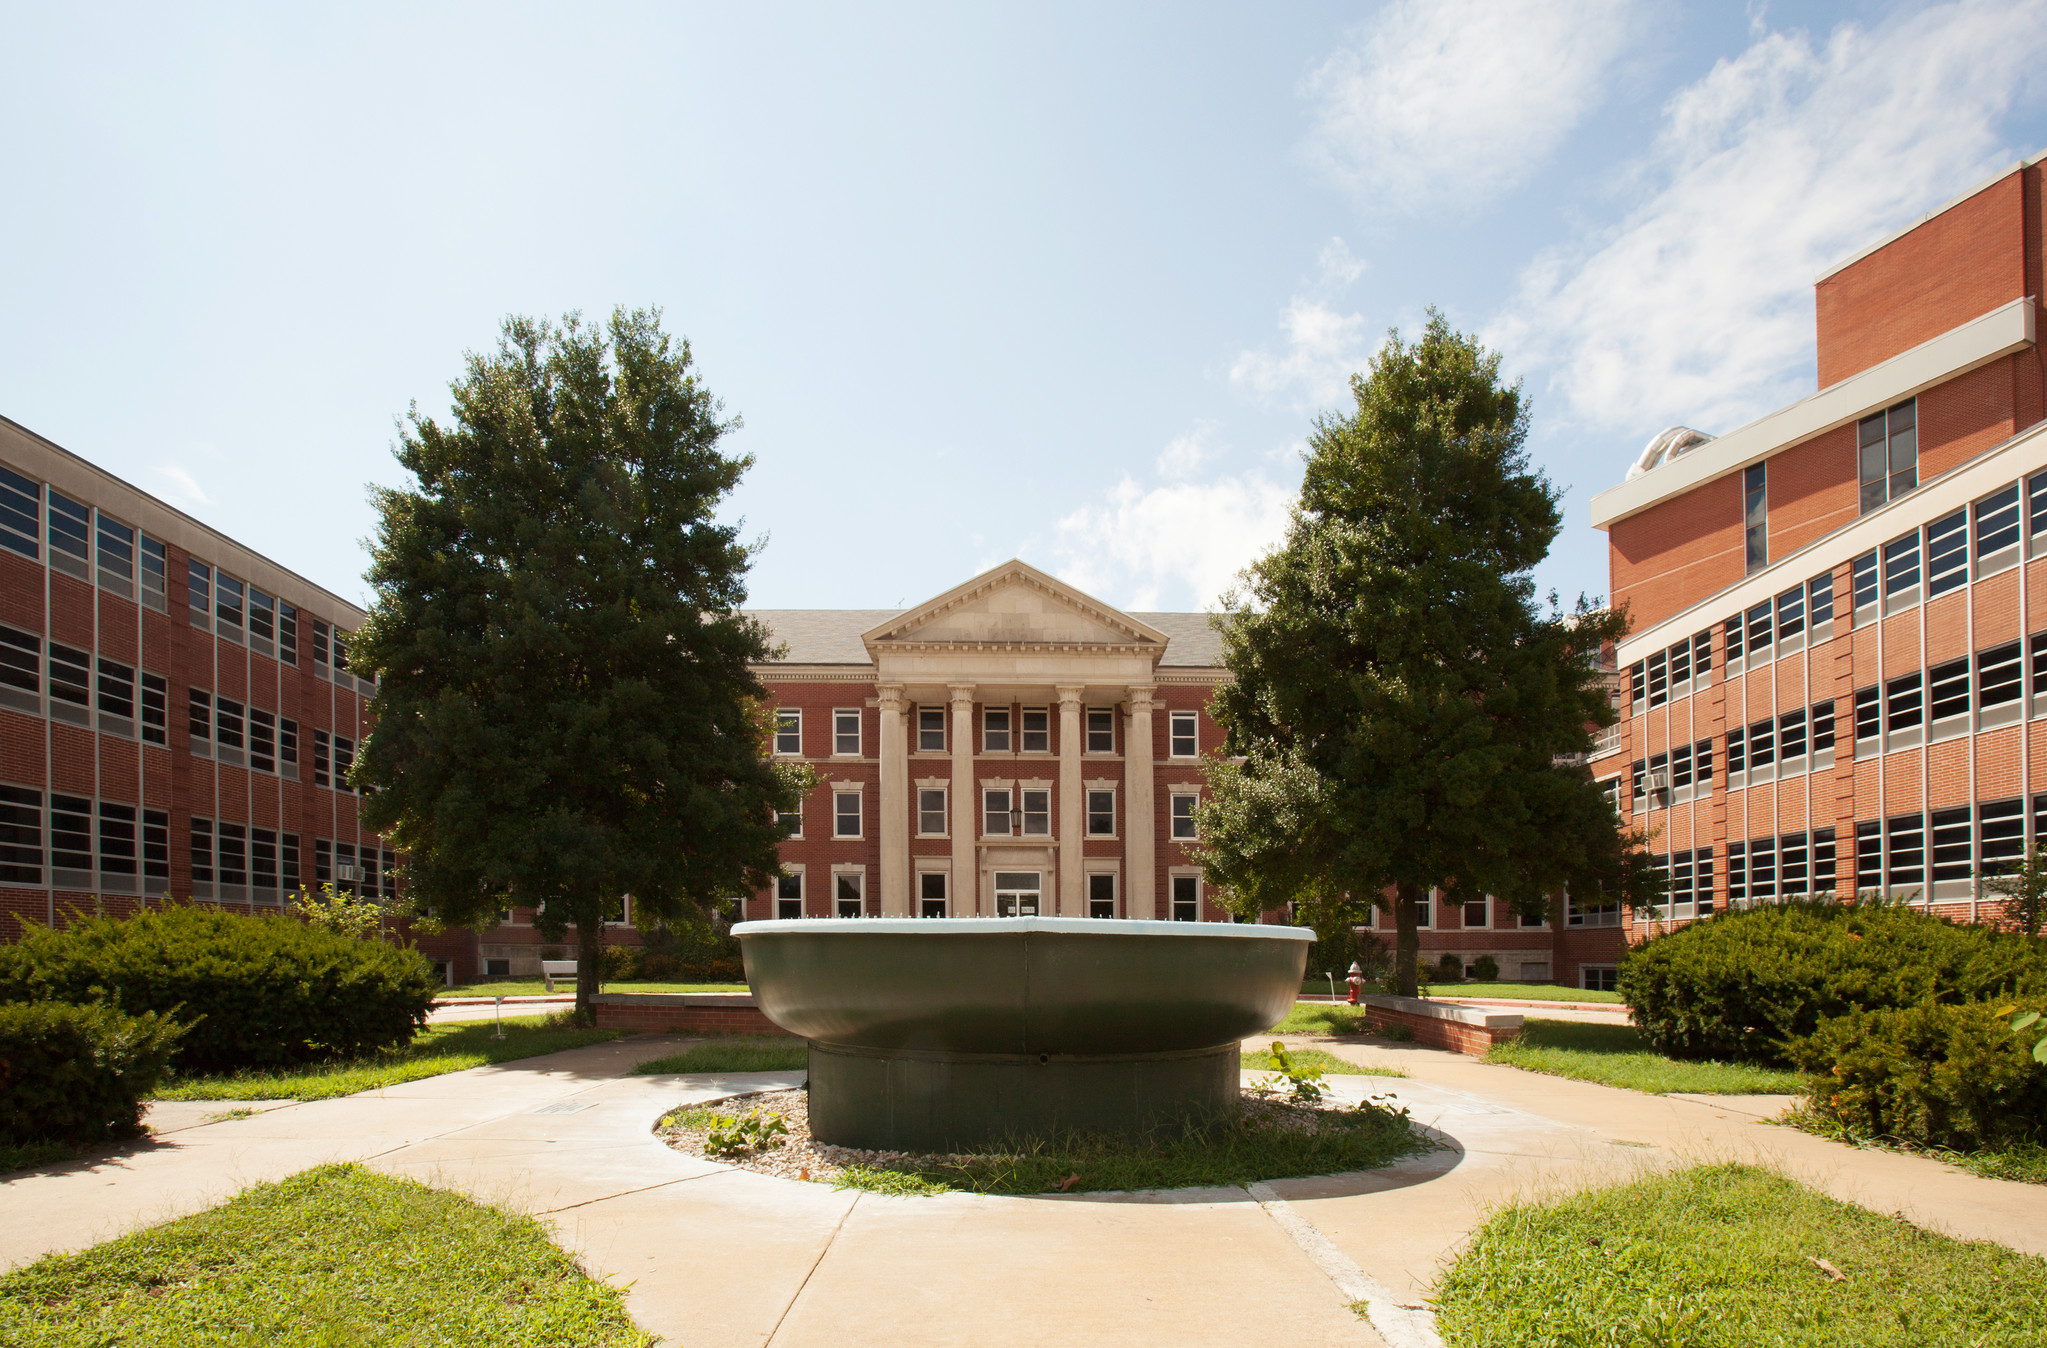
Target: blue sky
<point>1064,282</point>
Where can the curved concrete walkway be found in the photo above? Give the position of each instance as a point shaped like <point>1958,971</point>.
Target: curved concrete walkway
<point>713,1256</point>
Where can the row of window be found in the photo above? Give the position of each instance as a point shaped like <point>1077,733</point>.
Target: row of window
<point>1003,730</point>
<point>1938,703</point>
<point>80,685</point>
<point>1005,812</point>
<point>1886,467</point>
<point>1017,894</point>
<point>95,548</point>
<point>1479,914</point>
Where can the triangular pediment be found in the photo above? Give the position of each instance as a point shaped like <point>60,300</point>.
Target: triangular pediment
<point>1015,606</point>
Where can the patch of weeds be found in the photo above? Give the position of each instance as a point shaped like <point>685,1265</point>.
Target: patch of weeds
<point>2025,1162</point>
<point>433,1051</point>
<point>31,1155</point>
<point>226,1114</point>
<point>879,1181</point>
<point>759,1130</point>
<point>732,1055</point>
<point>1617,1055</point>
<point>1730,1256</point>
<point>334,1255</point>
<point>1261,1060</point>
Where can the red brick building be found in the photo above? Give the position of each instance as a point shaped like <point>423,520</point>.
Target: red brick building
<point>1839,641</point>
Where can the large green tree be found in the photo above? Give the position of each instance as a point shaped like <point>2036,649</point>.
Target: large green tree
<point>565,713</point>
<point>1404,715</point>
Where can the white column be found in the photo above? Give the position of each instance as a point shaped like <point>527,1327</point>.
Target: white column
<point>966,880</point>
<point>1140,851</point>
<point>1072,899</point>
<point>895,804</point>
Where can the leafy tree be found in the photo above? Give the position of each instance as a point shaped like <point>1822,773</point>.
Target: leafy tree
<point>1403,716</point>
<point>565,713</point>
<point>2023,887</point>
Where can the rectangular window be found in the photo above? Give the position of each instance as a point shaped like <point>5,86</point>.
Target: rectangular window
<point>155,575</point>
<point>1794,862</point>
<point>1638,776</point>
<point>1185,728</point>
<point>202,851</point>
<point>1475,915</point>
<point>1756,516</point>
<point>323,636</point>
<point>995,813</point>
<point>1906,836</point>
<point>1998,676</point>
<point>21,666</point>
<point>117,839</point>
<point>1887,454</point>
<point>323,862</point>
<point>1037,730</point>
<point>1819,600</point>
<point>1903,708</point>
<point>1997,526</point>
<point>1681,768</point>
<point>71,842</point>
<point>931,730</point>
<point>995,730</point>
<point>156,845</point>
<point>1948,690</point>
<point>263,858</point>
<point>2001,829</point>
<point>788,731</point>
<point>931,812</point>
<point>789,896</point>
<point>790,822</point>
<point>1791,735</point>
<point>1864,581</point>
<point>1186,898</point>
<point>1791,613</point>
<point>390,874</point>
<point>227,722</point>
<point>1951,832</point>
<point>1737,874</point>
<point>1762,745</point>
<point>1680,657</point>
<point>1101,895</point>
<point>846,733</point>
<point>346,876</point>
<point>1702,656</point>
<point>1101,814</point>
<point>287,633</point>
<point>1731,630</point>
<point>234,854</point>
<point>1183,816</point>
<point>155,709</point>
<point>70,677</point>
<point>1822,726</point>
<point>1702,765</point>
<point>1759,631</point>
<point>116,556</point>
<point>850,894</point>
<point>1659,679</point>
<point>1638,685</point>
<point>70,535</point>
<point>1737,751</point>
<point>262,740</point>
<point>199,592</point>
<point>1823,861</point>
<point>199,715</point>
<point>1037,814</point>
<point>288,748</point>
<point>1947,553</point>
<point>1901,569</point>
<point>2036,504</point>
<point>1868,714</point>
<point>116,690</point>
<point>1101,730</point>
<point>21,512</point>
<point>931,894</point>
<point>340,652</point>
<point>262,621</point>
<point>1869,855</point>
<point>1703,880</point>
<point>323,758</point>
<point>344,762</point>
<point>1762,868</point>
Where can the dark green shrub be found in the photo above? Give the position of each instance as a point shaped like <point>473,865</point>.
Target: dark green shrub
<point>617,963</point>
<point>1450,968</point>
<point>1740,985</point>
<point>256,991</point>
<point>1933,1075</point>
<point>1486,969</point>
<point>78,1073</point>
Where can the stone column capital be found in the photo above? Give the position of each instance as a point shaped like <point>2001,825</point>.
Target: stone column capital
<point>1142,697</point>
<point>961,692</point>
<point>1071,694</point>
<point>889,696</point>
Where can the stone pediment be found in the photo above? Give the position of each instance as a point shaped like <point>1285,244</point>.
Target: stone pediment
<point>1015,607</point>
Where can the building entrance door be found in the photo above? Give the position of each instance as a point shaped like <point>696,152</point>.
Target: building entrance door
<point>1016,893</point>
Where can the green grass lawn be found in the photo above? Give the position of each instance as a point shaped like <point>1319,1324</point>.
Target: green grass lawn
<point>1262,1061</point>
<point>434,1050</point>
<point>534,987</point>
<point>1723,1257</point>
<point>1614,1055</point>
<point>332,1256</point>
<point>1526,992</point>
<point>733,1055</point>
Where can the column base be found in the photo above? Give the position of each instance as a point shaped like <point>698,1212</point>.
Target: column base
<point>907,1100</point>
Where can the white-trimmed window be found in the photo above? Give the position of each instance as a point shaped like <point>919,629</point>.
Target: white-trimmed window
<point>1478,914</point>
<point>1183,816</point>
<point>931,730</point>
<point>1101,730</point>
<point>931,896</point>
<point>1186,898</point>
<point>790,821</point>
<point>995,730</point>
<point>1037,730</point>
<point>1598,977</point>
<point>1101,894</point>
<point>1538,921</point>
<point>846,732</point>
<point>931,812</point>
<point>1186,735</point>
<point>1591,914</point>
<point>1037,814</point>
<point>1887,454</point>
<point>995,812</point>
<point>789,894</point>
<point>1101,814</point>
<point>849,893</point>
<point>845,814</point>
<point>789,731</point>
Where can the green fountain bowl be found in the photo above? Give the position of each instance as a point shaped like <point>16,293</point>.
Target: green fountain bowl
<point>936,1033</point>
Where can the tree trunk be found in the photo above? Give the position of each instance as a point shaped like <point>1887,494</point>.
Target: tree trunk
<point>589,963</point>
<point>1407,938</point>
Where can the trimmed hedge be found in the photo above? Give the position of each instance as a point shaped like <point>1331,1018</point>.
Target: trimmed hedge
<point>1932,1075</point>
<point>1739,986</point>
<point>258,992</point>
<point>78,1073</point>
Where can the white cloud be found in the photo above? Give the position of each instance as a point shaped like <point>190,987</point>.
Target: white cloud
<point>1172,546</point>
<point>1323,348</point>
<point>184,486</point>
<point>1697,307</point>
<point>1441,103</point>
<point>1183,457</point>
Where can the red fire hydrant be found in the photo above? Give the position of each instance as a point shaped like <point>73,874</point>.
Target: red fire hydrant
<point>1356,982</point>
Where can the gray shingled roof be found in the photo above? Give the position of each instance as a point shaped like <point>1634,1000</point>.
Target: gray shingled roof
<point>831,636</point>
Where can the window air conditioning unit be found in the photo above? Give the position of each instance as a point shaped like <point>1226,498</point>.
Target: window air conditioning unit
<point>1659,783</point>
<point>348,872</point>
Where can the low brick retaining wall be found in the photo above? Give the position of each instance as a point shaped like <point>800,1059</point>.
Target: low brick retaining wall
<point>1462,1029</point>
<point>684,1012</point>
